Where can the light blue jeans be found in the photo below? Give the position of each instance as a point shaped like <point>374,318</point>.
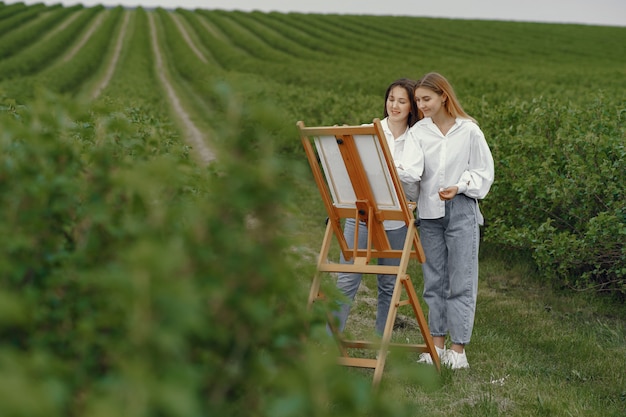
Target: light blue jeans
<point>451,269</point>
<point>348,283</point>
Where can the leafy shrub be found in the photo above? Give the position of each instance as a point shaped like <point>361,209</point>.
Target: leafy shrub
<point>136,283</point>
<point>559,190</point>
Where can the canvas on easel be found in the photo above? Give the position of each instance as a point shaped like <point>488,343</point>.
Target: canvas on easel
<point>355,174</point>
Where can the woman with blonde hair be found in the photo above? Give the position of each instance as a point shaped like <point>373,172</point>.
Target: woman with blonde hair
<point>458,171</point>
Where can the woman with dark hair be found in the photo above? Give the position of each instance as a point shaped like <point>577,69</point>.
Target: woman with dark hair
<point>400,114</point>
<point>458,171</point>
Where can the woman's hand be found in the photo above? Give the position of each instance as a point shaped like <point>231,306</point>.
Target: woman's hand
<point>448,193</point>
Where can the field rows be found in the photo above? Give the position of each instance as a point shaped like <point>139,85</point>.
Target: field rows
<point>183,66</point>
<point>189,70</point>
<point>139,280</point>
<point>67,49</point>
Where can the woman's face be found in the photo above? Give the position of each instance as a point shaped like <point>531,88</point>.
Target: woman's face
<point>429,102</point>
<point>398,105</point>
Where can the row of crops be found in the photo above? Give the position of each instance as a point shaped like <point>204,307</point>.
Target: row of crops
<point>119,244</point>
<point>320,52</point>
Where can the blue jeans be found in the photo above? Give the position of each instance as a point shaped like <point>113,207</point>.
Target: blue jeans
<point>348,283</point>
<point>451,269</point>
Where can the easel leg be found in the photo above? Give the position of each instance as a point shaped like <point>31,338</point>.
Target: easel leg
<point>421,321</point>
<point>316,294</point>
<point>386,339</point>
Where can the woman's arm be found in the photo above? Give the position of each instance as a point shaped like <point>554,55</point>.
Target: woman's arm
<point>411,165</point>
<point>476,181</point>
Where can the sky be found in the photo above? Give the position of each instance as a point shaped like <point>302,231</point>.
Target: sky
<point>593,12</point>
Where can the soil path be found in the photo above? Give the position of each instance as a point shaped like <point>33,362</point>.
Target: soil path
<point>193,135</point>
<point>192,45</point>
<point>85,38</point>
<point>63,25</point>
<point>116,54</point>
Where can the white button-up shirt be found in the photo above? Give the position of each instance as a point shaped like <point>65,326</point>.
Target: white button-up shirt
<point>409,162</point>
<point>461,157</point>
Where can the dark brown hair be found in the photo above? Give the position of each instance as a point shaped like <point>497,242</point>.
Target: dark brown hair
<point>409,86</point>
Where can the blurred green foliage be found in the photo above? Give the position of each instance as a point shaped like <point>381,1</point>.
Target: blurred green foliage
<point>136,283</point>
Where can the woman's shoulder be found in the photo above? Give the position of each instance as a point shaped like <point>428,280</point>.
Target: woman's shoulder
<point>469,124</point>
<point>467,120</point>
<point>422,122</point>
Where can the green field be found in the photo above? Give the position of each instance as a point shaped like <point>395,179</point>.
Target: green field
<point>159,223</point>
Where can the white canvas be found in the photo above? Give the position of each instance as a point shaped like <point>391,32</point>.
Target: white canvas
<point>373,158</point>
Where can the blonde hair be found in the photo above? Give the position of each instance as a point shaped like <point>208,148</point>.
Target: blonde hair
<point>438,84</point>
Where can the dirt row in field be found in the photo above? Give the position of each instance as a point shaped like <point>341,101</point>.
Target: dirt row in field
<point>187,38</point>
<point>116,54</point>
<point>92,28</point>
<point>63,25</point>
<point>192,134</point>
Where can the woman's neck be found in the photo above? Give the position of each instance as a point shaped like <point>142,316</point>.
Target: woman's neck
<point>444,122</point>
<point>397,128</point>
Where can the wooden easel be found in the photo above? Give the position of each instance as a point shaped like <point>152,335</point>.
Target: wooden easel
<point>355,174</point>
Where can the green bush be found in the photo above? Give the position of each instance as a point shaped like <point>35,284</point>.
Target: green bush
<point>136,283</point>
<point>559,190</point>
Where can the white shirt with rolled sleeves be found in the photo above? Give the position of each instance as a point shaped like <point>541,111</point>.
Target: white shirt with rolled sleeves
<point>408,159</point>
<point>461,157</point>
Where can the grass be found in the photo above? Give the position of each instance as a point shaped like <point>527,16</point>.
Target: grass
<point>535,351</point>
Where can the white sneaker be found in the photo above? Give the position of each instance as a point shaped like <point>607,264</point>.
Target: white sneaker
<point>425,357</point>
<point>455,360</point>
